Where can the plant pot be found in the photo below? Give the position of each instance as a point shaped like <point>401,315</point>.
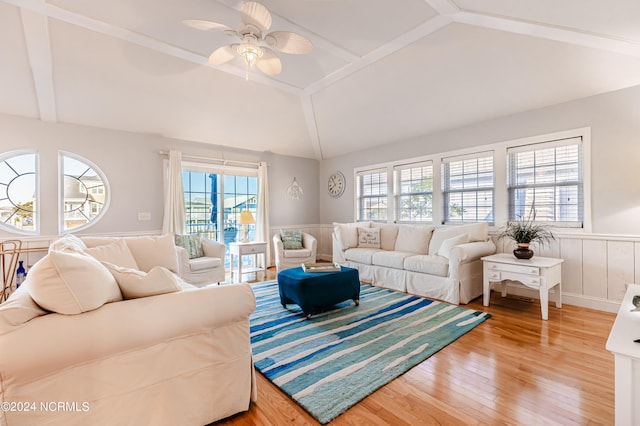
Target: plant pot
<point>523,252</point>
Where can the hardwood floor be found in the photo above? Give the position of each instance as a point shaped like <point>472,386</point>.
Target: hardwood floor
<point>514,369</point>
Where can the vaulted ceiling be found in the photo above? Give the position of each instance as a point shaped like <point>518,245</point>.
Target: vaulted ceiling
<point>381,71</point>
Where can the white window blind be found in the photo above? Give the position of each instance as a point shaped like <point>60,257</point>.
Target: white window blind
<point>467,188</point>
<point>414,192</point>
<point>372,188</point>
<point>545,182</point>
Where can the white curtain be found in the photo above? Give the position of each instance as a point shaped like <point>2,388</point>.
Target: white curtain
<point>262,220</point>
<point>173,222</point>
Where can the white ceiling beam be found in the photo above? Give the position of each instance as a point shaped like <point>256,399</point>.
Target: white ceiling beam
<point>421,31</point>
<point>549,32</point>
<point>443,7</point>
<point>312,125</point>
<point>36,35</point>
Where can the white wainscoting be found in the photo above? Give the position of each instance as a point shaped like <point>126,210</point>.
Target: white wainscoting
<point>595,272</point>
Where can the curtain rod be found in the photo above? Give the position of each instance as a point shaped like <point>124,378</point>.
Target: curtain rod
<point>220,160</point>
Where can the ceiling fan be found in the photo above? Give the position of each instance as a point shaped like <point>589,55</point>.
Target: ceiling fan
<point>254,47</point>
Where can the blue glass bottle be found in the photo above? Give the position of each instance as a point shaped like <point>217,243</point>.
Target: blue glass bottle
<point>21,274</point>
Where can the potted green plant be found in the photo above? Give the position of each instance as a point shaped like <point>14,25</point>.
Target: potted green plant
<point>524,233</point>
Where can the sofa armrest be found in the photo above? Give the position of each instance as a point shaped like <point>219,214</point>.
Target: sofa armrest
<point>213,248</point>
<point>337,250</point>
<point>278,245</point>
<point>310,242</point>
<point>183,260</point>
<point>469,252</point>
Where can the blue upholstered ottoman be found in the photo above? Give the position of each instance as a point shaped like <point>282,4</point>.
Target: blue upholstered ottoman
<point>315,291</point>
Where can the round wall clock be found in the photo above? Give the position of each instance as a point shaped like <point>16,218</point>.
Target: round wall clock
<point>336,184</point>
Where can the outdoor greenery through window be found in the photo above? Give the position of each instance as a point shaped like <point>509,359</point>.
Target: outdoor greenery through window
<point>18,180</point>
<point>213,202</point>
<point>468,188</point>
<point>372,188</point>
<point>414,192</point>
<point>85,192</point>
<point>546,182</point>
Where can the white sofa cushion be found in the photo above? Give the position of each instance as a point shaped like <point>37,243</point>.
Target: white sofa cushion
<point>71,283</point>
<point>361,255</point>
<point>154,251</point>
<point>414,238</point>
<point>117,253</point>
<point>18,309</point>
<point>296,254</point>
<point>347,233</point>
<point>369,237</point>
<point>202,263</point>
<point>428,264</point>
<point>388,235</point>
<point>135,284</point>
<point>449,243</point>
<point>68,242</point>
<point>477,231</point>
<point>391,259</point>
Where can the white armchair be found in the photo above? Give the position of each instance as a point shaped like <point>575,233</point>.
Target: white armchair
<point>294,257</point>
<point>202,270</point>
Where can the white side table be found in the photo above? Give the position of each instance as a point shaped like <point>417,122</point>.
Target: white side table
<point>540,273</point>
<point>239,249</point>
<point>621,343</point>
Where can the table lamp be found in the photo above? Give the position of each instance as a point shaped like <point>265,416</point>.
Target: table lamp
<point>246,218</point>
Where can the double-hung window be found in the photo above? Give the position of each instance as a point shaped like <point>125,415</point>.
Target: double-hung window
<point>414,192</point>
<point>545,182</point>
<point>372,189</point>
<point>468,188</point>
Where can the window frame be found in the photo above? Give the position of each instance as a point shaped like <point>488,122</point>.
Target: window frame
<point>513,185</point>
<point>361,199</point>
<point>36,214</point>
<point>448,189</point>
<point>398,193</point>
<point>61,195</point>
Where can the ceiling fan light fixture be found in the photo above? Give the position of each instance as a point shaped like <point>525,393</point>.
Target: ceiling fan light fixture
<point>250,52</point>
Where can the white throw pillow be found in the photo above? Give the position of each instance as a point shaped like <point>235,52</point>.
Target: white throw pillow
<point>347,233</point>
<point>69,243</point>
<point>135,284</point>
<point>442,233</point>
<point>154,251</point>
<point>388,235</point>
<point>117,253</point>
<point>71,283</point>
<point>369,237</point>
<point>414,238</point>
<point>476,231</point>
<point>448,244</point>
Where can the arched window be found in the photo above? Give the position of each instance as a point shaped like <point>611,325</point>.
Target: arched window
<point>85,192</point>
<point>18,191</point>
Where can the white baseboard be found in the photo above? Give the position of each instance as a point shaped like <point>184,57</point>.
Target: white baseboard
<point>567,298</point>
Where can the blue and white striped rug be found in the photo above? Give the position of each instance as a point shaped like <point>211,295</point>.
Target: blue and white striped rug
<point>335,359</point>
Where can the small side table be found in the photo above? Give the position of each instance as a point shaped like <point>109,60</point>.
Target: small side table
<point>540,273</point>
<point>239,249</point>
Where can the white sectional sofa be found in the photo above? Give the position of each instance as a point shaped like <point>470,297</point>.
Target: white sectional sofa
<point>438,262</point>
<point>110,336</point>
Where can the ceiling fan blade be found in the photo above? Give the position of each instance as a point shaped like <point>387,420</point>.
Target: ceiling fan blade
<point>269,64</point>
<point>255,14</point>
<point>288,42</point>
<point>222,55</point>
<point>199,24</point>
